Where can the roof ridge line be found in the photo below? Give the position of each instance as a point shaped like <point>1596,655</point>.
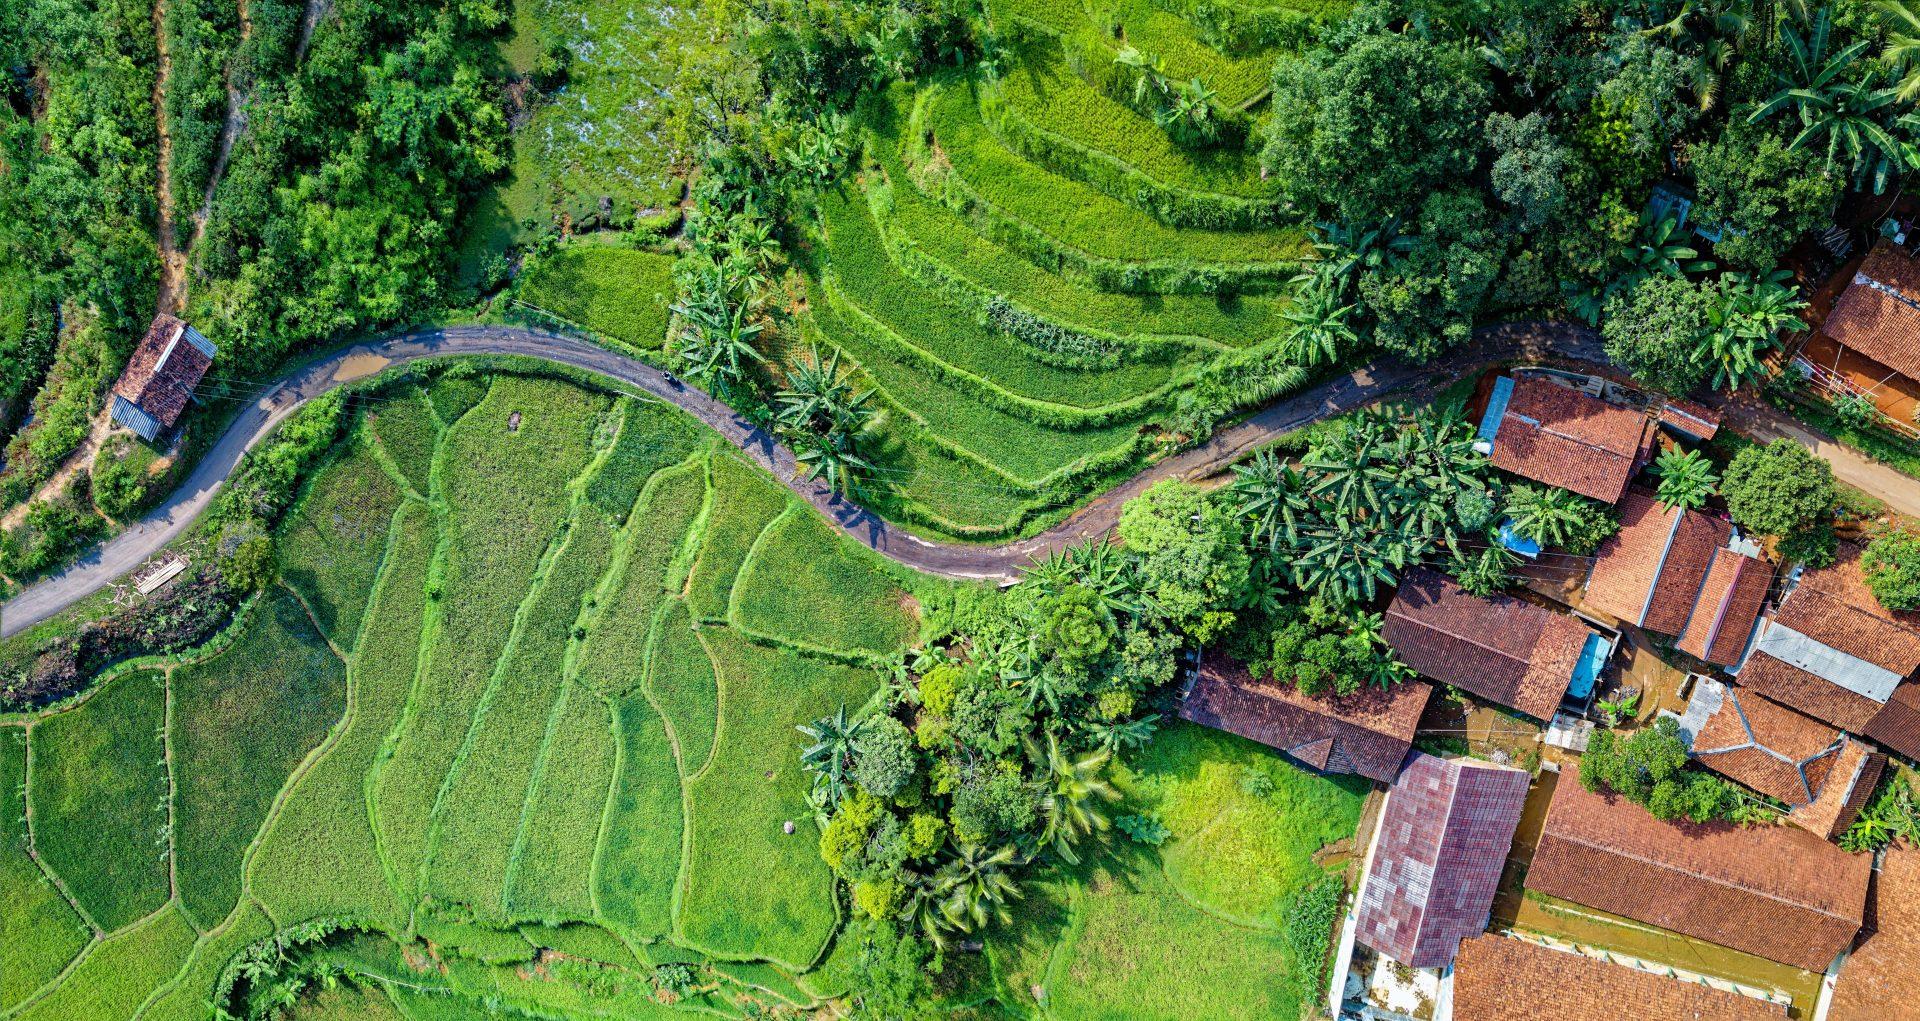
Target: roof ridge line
<point>1502,653</point>
<point>1743,887</point>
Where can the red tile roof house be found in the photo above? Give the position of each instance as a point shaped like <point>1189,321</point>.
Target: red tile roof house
<point>1821,774</point>
<point>1368,732</point>
<point>1682,573</point>
<point>1834,653</point>
<point>1776,892</point>
<point>1554,434</point>
<point>160,376</point>
<point>1878,315</point>
<point>1511,652</point>
<point>1504,978</point>
<point>1881,980</point>
<point>1443,841</point>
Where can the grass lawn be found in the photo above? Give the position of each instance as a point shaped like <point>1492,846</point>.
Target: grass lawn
<point>752,890</point>
<point>638,863</point>
<point>43,931</point>
<point>1044,93</point>
<point>187,999</point>
<point>98,794</point>
<point>1022,450</point>
<point>489,768</point>
<point>1076,214</point>
<point>1098,939</point>
<point>507,491</point>
<point>745,501</point>
<point>241,722</point>
<point>619,293</point>
<point>682,685</point>
<point>944,237</point>
<point>560,825</point>
<point>950,335</point>
<point>487,791</point>
<point>406,429</point>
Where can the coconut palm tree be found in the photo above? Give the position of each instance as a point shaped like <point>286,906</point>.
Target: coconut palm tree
<point>718,322</point>
<point>1686,478</point>
<point>830,753</point>
<point>1074,788</point>
<point>975,884</point>
<point>1344,251</point>
<point>1271,495</point>
<point>1846,111</point>
<point>1116,735</point>
<point>834,459</point>
<point>1321,333</point>
<point>1483,570</point>
<point>1348,469</point>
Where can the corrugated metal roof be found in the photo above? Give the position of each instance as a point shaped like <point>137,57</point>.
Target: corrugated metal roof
<point>1850,672</point>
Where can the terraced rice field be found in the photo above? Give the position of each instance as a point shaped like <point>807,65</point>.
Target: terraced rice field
<point>1032,274</point>
<point>525,683</point>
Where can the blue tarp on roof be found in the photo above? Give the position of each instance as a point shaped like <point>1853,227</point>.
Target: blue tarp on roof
<point>1496,408</point>
<point>1592,658</point>
<point>1516,542</point>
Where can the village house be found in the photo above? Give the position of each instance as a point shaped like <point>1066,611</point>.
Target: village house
<point>1503,649</point>
<point>1880,980</point>
<point>1441,845</point>
<point>1776,892</point>
<point>1681,573</point>
<point>160,377</point>
<point>1820,773</point>
<point>1506,978</point>
<point>1870,341</point>
<point>1831,651</point>
<point>1367,733</point>
<point>1541,430</point>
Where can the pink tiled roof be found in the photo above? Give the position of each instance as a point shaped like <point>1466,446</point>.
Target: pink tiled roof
<point>1443,842</point>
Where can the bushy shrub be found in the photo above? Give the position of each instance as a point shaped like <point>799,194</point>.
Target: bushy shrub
<point>1892,563</point>
<point>1310,915</point>
<point>183,616</point>
<point>884,760</point>
<point>122,480</point>
<point>1778,489</point>
<point>1650,768</point>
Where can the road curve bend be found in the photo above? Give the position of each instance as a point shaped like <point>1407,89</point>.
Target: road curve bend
<point>128,550</point>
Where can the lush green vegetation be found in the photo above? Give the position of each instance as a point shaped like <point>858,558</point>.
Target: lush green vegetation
<point>99,797</point>
<point>582,761</point>
<point>242,721</point>
<point>43,930</point>
<point>617,293</point>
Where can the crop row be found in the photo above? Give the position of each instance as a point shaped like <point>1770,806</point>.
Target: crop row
<point>1045,112</point>
<point>960,349</point>
<point>1088,235</point>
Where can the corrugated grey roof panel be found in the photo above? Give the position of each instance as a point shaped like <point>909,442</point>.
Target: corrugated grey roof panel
<point>1850,672</point>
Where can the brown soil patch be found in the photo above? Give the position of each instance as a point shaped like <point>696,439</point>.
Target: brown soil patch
<point>359,366</point>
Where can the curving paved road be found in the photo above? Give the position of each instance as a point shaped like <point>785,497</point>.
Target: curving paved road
<point>126,551</point>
